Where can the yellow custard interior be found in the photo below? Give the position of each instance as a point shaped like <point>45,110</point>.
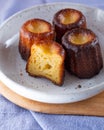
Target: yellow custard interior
<point>68,17</point>
<point>81,38</point>
<point>44,63</point>
<point>38,27</point>
<point>48,48</point>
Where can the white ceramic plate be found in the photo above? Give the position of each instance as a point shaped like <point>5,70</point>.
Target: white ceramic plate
<point>12,67</point>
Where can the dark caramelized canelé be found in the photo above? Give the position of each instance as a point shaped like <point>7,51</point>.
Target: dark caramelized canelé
<point>84,58</point>
<point>67,19</point>
<point>32,31</point>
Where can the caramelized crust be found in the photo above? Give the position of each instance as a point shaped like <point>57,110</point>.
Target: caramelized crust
<point>47,60</point>
<point>67,19</point>
<point>83,51</point>
<point>34,30</point>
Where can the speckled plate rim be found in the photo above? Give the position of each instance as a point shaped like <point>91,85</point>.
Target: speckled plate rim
<point>58,98</point>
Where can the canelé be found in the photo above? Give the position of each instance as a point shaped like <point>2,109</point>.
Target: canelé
<point>33,30</point>
<point>83,53</point>
<point>67,19</point>
<point>47,60</point>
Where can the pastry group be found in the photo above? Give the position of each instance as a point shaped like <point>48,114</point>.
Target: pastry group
<point>44,56</point>
<point>67,44</point>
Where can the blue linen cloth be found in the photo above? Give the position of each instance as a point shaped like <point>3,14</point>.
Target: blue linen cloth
<point>13,117</point>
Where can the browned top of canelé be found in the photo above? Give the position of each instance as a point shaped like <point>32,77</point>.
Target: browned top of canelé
<point>37,26</point>
<point>51,47</point>
<point>79,37</point>
<point>68,16</point>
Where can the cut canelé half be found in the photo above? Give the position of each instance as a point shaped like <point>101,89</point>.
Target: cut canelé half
<point>67,19</point>
<point>33,30</point>
<point>47,60</point>
<point>83,53</point>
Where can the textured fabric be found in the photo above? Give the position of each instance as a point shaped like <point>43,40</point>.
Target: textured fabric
<point>13,117</point>
<point>66,122</point>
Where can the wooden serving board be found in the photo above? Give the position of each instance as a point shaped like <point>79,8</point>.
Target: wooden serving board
<point>93,106</point>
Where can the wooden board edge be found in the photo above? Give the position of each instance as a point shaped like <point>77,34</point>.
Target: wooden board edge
<point>87,107</point>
